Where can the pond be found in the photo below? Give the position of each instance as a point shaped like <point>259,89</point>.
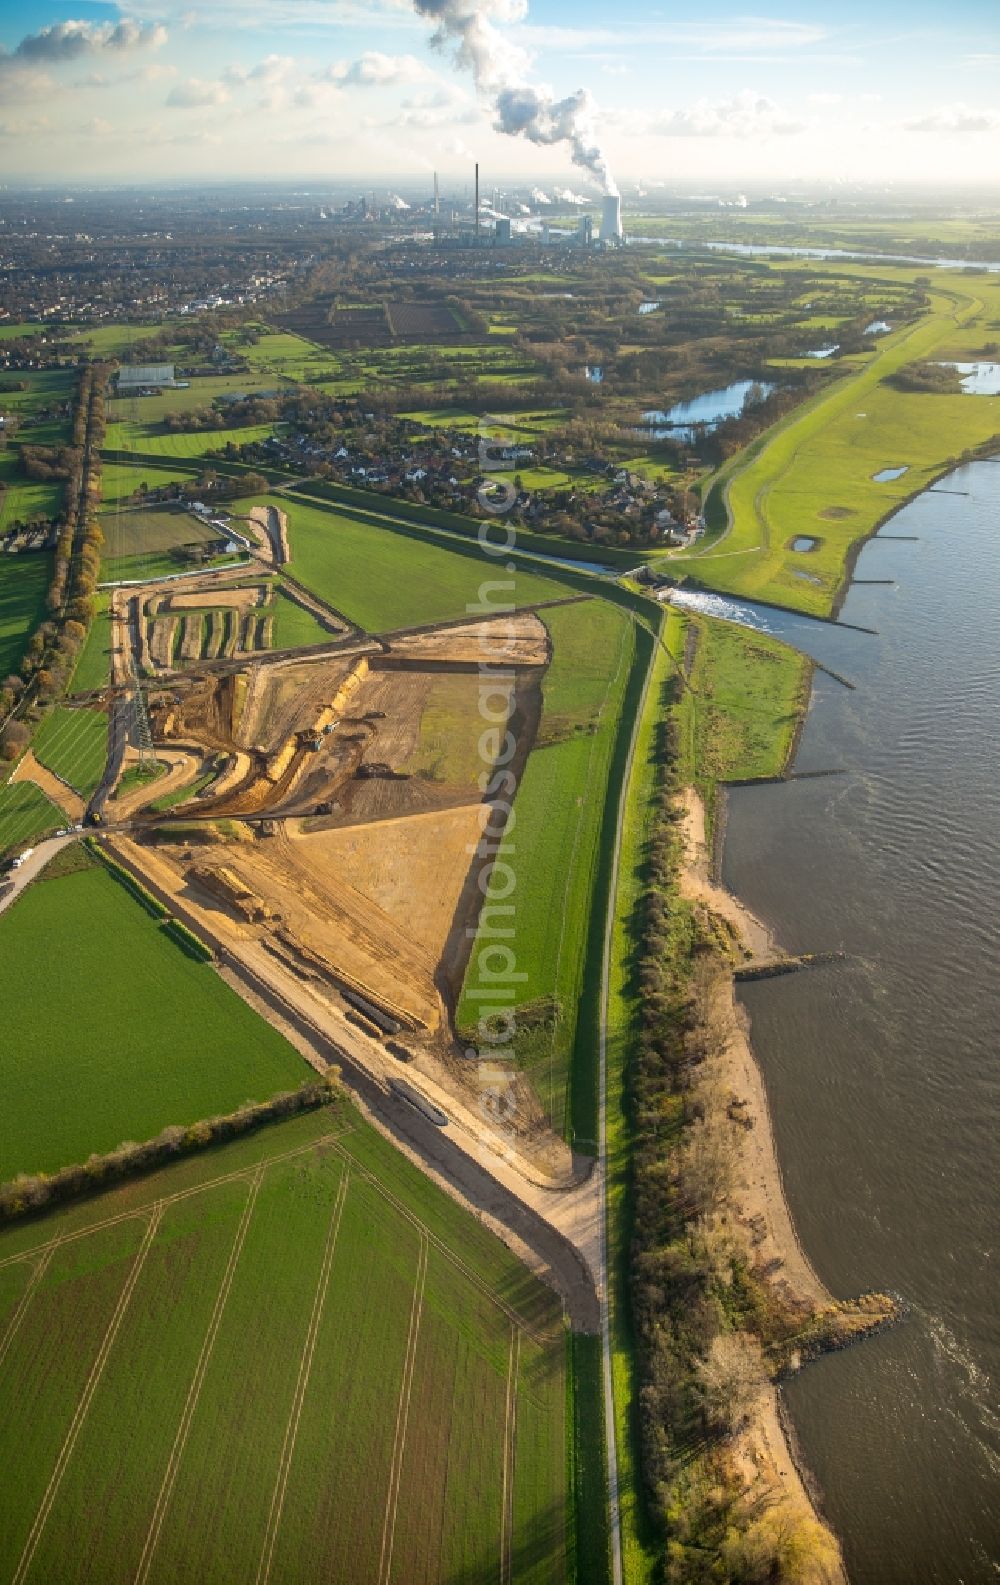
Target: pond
<point>885,475</point>
<point>978,379</point>
<point>681,421</point>
<point>804,542</point>
<point>824,352</point>
<point>878,327</point>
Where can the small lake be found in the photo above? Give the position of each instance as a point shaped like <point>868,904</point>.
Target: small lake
<point>886,475</point>
<point>978,379</point>
<point>704,412</point>
<point>778,251</point>
<point>824,352</point>
<point>803,542</point>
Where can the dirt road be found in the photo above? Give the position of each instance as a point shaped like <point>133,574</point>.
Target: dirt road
<point>555,1227</point>
<point>55,789</point>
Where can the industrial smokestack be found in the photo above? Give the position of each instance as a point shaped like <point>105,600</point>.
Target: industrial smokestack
<point>611,219</point>
<point>477,34</point>
<point>477,202</point>
<point>437,195</point>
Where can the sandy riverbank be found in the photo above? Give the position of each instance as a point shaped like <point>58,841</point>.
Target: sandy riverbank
<point>762,1451</point>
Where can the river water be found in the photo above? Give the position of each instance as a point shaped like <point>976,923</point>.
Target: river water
<point>883,1071</point>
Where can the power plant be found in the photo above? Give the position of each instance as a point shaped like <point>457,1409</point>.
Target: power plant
<point>611,219</point>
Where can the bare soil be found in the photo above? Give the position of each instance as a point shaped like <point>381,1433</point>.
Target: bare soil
<point>58,792</point>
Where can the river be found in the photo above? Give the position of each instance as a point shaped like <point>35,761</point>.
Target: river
<point>883,1071</point>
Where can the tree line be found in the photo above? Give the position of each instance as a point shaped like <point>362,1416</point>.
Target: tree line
<point>53,648</point>
<point>31,1193</point>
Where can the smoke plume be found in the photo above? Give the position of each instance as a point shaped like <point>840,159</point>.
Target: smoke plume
<point>471,32</point>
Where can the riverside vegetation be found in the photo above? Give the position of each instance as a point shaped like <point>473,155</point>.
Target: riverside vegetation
<point>710,1329</point>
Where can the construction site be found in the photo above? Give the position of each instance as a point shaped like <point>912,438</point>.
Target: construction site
<point>317,814</point>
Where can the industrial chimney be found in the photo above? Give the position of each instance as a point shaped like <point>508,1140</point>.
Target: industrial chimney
<point>477,203</point>
<point>611,219</point>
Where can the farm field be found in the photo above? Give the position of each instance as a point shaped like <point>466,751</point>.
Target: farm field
<point>115,1044</point>
<point>328,1370</point>
<point>559,810</point>
<point>136,532</point>
<point>25,813</point>
<point>23,583</point>
<point>382,579</point>
<point>847,434</point>
<point>73,743</point>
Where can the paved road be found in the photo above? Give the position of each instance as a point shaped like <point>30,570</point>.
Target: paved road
<point>13,884</point>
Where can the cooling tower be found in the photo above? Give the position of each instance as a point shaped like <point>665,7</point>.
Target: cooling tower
<point>611,219</point>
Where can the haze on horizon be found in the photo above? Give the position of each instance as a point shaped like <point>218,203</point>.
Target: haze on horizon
<point>348,89</point>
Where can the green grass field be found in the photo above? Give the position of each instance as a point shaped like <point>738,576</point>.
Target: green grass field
<point>25,813</point>
<point>201,392</point>
<point>748,691</point>
<point>155,442</point>
<point>93,669</point>
<point>38,406</point>
<point>112,1032</point>
<point>813,474</point>
<point>74,744</point>
<point>383,579</point>
<point>25,500</point>
<point>638,1545</point>
<point>311,1367</point>
<point>120,480</point>
<point>559,809</point>
<point>292,625</point>
<point>23,583</point>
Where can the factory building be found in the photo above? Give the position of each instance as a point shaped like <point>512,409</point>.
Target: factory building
<point>502,231</point>
<point>145,377</point>
<point>585,231</point>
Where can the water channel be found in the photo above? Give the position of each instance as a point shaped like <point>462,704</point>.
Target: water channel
<point>883,1071</point>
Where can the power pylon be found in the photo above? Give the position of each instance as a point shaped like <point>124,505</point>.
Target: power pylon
<point>139,732</point>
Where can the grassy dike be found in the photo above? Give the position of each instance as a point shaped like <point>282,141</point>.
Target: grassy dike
<point>638,1536</point>
<point>813,473</point>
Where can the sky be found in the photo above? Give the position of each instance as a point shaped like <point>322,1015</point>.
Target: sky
<point>704,92</point>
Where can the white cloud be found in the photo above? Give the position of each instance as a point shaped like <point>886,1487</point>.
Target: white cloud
<point>825,99</point>
<point>18,83</point>
<point>955,118</point>
<point>272,70</point>
<point>65,41</point>
<point>196,93</point>
<point>375,70</point>
<point>746,115</point>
